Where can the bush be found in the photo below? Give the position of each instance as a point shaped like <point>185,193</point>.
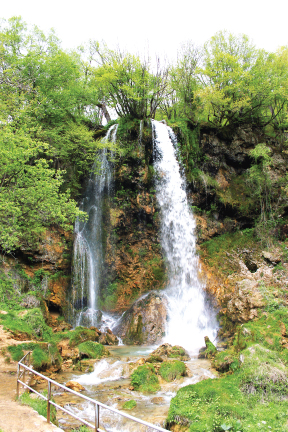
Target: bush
<point>172,370</point>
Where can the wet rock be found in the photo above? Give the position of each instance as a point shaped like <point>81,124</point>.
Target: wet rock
<point>108,338</point>
<point>245,301</point>
<point>158,400</point>
<point>90,316</point>
<point>145,321</point>
<point>74,385</point>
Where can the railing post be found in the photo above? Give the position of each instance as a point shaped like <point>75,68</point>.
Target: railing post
<point>18,373</point>
<point>48,402</point>
<point>97,420</point>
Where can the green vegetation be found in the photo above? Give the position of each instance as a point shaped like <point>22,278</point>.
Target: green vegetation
<point>128,405</point>
<point>145,379</point>
<point>43,354</point>
<point>29,322</point>
<point>39,404</point>
<point>91,350</point>
<point>251,399</point>
<point>80,335</point>
<point>172,370</point>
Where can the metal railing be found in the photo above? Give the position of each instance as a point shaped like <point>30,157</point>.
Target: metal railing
<point>97,404</point>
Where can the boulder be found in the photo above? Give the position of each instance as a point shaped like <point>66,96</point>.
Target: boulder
<point>272,257</point>
<point>166,351</point>
<point>145,321</point>
<point>74,385</point>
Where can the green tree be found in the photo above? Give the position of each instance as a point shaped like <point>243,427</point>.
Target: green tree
<point>127,83</point>
<point>240,85</point>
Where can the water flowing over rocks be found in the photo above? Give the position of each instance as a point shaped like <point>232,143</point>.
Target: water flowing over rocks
<point>189,312</point>
<point>145,321</point>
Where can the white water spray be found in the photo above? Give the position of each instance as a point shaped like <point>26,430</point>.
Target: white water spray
<point>190,318</point>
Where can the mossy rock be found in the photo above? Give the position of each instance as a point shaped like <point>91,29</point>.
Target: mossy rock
<point>154,359</point>
<point>92,350</point>
<point>172,370</point>
<point>168,351</point>
<point>210,350</point>
<point>128,405</point>
<point>82,334</point>
<point>144,379</point>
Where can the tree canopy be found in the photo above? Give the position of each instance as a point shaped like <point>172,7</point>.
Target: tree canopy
<point>52,101</point>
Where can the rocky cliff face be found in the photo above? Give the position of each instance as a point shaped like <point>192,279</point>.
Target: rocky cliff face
<point>224,201</point>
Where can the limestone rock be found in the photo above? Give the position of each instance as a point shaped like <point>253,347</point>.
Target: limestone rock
<point>145,321</point>
<point>66,351</point>
<point>108,338</point>
<point>273,258</point>
<point>245,301</point>
<point>74,385</point>
<point>30,302</point>
<point>166,351</point>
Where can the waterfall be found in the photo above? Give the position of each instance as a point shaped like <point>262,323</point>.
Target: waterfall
<point>190,317</point>
<point>88,243</point>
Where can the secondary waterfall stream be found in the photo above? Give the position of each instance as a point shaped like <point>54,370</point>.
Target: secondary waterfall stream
<point>190,318</point>
<point>88,247</point>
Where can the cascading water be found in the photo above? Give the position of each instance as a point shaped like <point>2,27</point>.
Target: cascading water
<point>190,318</point>
<point>88,243</point>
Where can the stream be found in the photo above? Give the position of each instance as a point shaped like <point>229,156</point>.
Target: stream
<point>109,383</point>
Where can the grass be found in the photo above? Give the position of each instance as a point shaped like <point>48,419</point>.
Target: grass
<point>145,379</point>
<point>251,395</point>
<point>172,370</point>
<point>39,405</point>
<point>31,323</point>
<point>215,250</point>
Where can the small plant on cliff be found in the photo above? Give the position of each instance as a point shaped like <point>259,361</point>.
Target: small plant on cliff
<point>145,379</point>
<point>172,370</point>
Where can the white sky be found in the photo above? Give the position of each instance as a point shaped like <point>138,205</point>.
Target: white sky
<point>158,25</point>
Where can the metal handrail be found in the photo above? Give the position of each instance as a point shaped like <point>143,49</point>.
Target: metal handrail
<point>96,403</point>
